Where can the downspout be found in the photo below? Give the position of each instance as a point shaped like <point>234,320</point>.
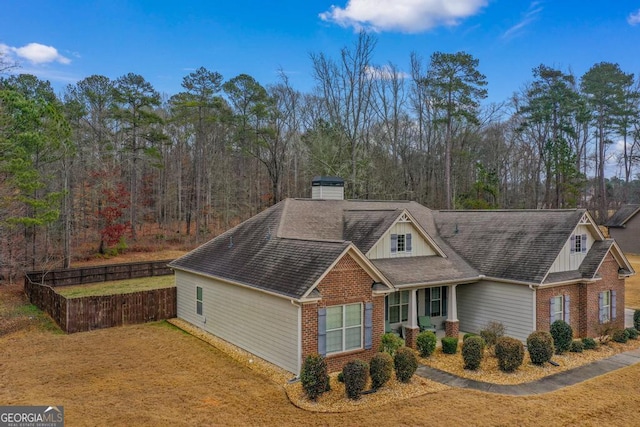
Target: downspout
<point>299,344</point>
<point>534,311</point>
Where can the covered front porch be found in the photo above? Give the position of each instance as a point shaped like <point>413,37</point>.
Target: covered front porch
<point>429,308</point>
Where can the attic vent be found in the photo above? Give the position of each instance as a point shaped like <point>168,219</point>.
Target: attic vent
<point>327,188</point>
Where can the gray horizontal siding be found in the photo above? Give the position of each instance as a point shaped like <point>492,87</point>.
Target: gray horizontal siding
<point>485,301</point>
<point>262,324</point>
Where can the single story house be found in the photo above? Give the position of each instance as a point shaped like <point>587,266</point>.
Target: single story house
<point>624,227</point>
<point>329,276</point>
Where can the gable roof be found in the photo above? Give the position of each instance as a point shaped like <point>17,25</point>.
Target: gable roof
<point>518,245</point>
<point>622,215</point>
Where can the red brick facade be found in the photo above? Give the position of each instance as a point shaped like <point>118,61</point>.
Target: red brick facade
<point>346,283</point>
<point>584,306</point>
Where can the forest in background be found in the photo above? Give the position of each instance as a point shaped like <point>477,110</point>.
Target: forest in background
<point>110,164</point>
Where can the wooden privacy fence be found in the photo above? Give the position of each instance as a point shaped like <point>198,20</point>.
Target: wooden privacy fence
<point>96,312</point>
<point>104,273</point>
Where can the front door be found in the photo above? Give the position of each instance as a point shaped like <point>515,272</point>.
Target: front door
<point>435,305</point>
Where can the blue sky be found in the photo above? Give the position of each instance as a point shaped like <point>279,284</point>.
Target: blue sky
<point>65,41</point>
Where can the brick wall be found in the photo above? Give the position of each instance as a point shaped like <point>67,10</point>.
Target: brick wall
<point>584,309</point>
<point>346,283</point>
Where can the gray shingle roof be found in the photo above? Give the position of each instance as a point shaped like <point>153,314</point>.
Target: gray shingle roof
<point>365,227</point>
<point>517,245</point>
<point>622,215</point>
<point>423,269</point>
<point>592,261</point>
<point>251,254</point>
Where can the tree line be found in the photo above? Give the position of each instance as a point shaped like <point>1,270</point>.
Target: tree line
<point>95,165</point>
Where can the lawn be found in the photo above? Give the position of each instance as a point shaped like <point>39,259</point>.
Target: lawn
<point>117,286</point>
<point>632,285</point>
<point>154,374</point>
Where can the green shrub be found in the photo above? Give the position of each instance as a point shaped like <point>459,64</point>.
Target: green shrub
<point>340,377</point>
<point>314,377</point>
<point>562,336</point>
<point>426,343</point>
<point>390,343</point>
<point>355,375</point>
<point>589,343</point>
<point>576,346</point>
<point>540,347</point>
<point>492,332</point>
<point>636,320</point>
<point>406,363</point>
<point>472,352</point>
<point>510,353</point>
<point>633,333</point>
<point>468,335</point>
<point>380,369</point>
<point>620,335</point>
<point>449,345</point>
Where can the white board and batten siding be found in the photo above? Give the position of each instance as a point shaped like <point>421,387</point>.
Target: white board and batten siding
<point>419,247</point>
<point>485,301</point>
<point>567,260</point>
<point>262,324</point>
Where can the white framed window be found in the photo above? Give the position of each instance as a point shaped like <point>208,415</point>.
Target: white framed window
<point>401,243</point>
<point>436,301</point>
<point>578,243</point>
<point>199,300</point>
<point>607,302</point>
<point>398,307</point>
<point>557,308</point>
<point>344,328</point>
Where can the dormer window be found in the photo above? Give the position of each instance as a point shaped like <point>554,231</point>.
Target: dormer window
<point>400,243</point>
<point>579,243</point>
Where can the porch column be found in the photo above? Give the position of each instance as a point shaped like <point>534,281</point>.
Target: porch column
<point>411,328</point>
<point>452,324</point>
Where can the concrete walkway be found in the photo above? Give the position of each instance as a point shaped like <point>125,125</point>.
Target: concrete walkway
<point>543,385</point>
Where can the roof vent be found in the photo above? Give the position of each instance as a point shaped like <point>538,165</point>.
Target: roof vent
<point>327,188</point>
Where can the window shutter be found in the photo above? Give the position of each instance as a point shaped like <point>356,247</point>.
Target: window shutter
<point>567,315</point>
<point>394,243</point>
<point>601,306</point>
<point>583,245</point>
<point>322,332</point>
<point>368,325</point>
<point>444,300</point>
<point>573,243</point>
<point>552,310</point>
<point>613,305</point>
<point>408,242</point>
<point>427,299</point>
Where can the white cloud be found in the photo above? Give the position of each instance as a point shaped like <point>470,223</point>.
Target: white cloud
<point>634,18</point>
<point>36,53</point>
<point>386,72</point>
<point>529,17</point>
<point>411,16</point>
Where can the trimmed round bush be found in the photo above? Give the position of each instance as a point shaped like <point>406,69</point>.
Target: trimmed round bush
<point>449,345</point>
<point>576,346</point>
<point>562,336</point>
<point>314,377</point>
<point>636,320</point>
<point>620,335</point>
<point>390,342</point>
<point>472,352</point>
<point>633,333</point>
<point>380,369</point>
<point>540,347</point>
<point>510,353</point>
<point>426,343</point>
<point>340,377</point>
<point>589,343</point>
<point>467,335</point>
<point>406,363</point>
<point>355,375</point>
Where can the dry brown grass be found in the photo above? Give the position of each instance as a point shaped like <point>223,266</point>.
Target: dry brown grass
<point>154,374</point>
<point>131,256</point>
<point>632,284</point>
